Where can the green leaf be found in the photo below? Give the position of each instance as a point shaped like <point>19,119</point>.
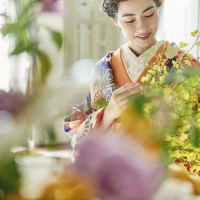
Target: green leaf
<point>9,28</point>
<point>45,64</point>
<point>24,9</point>
<point>22,46</point>
<point>9,177</point>
<point>137,103</point>
<point>56,37</point>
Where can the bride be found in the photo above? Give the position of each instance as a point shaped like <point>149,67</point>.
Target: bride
<point>118,75</point>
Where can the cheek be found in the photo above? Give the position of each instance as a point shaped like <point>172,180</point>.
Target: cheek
<point>155,22</point>
<point>128,30</point>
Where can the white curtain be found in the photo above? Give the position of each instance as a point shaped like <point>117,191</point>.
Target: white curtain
<point>178,18</point>
<point>4,48</point>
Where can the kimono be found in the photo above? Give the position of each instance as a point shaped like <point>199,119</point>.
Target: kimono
<point>111,72</point>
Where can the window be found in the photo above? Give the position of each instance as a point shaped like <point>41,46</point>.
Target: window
<point>178,19</point>
<point>4,49</point>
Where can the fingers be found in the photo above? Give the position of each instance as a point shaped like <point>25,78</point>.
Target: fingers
<point>132,92</point>
<point>126,87</point>
<point>126,91</point>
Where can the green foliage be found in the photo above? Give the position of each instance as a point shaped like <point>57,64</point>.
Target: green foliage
<point>9,177</point>
<point>24,31</point>
<point>56,37</point>
<point>45,64</point>
<point>137,103</point>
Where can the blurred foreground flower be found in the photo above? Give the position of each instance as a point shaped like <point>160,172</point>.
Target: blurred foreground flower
<point>50,6</point>
<point>118,168</point>
<point>11,102</point>
<point>70,186</point>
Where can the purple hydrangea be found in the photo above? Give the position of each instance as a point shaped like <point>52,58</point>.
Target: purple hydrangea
<point>119,170</point>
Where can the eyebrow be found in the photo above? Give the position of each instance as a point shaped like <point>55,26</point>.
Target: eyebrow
<point>149,8</point>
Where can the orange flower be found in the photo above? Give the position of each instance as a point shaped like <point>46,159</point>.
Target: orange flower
<point>71,185</point>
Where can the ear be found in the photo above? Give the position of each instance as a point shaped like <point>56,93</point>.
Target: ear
<point>115,21</point>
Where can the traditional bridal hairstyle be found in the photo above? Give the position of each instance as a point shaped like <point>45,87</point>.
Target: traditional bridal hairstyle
<point>110,7</point>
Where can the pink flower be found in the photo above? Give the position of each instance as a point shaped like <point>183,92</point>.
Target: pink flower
<point>51,6</point>
<point>118,169</point>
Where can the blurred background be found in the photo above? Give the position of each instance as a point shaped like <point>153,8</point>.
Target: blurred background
<point>88,35</point>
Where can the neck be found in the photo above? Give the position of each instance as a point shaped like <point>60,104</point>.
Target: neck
<point>139,50</point>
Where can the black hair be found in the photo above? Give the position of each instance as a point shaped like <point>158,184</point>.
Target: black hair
<point>110,7</point>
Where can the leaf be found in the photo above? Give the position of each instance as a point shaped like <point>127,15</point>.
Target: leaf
<point>9,28</point>
<point>45,64</point>
<point>24,9</point>
<point>22,46</point>
<point>9,177</point>
<point>56,37</point>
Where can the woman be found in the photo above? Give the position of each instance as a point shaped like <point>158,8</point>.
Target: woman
<point>118,75</point>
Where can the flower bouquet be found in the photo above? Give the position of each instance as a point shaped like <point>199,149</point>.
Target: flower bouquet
<point>170,103</point>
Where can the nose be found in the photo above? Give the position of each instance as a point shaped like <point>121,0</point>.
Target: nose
<point>141,25</point>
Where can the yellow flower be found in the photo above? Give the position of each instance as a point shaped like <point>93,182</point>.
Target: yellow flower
<point>177,154</point>
<point>165,68</point>
<point>182,45</point>
<point>185,95</point>
<point>152,72</point>
<point>194,98</point>
<point>198,43</point>
<point>168,138</point>
<point>175,64</point>
<point>188,54</point>
<point>193,90</point>
<point>180,87</point>
<point>162,79</point>
<point>144,79</point>
<point>188,62</point>
<point>195,33</point>
<point>191,156</point>
<point>183,137</point>
<point>167,91</point>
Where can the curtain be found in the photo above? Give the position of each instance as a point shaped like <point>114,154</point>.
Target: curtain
<point>178,18</point>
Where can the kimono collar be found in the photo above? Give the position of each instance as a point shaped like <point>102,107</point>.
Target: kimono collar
<point>130,58</point>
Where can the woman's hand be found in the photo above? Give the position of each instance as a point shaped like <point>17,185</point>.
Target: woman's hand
<point>118,102</point>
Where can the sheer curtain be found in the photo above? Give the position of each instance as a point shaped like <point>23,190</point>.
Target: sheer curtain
<point>4,48</point>
<point>13,69</point>
<point>178,18</point>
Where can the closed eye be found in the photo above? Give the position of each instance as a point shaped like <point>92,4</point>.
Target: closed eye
<point>130,22</point>
<point>150,15</point>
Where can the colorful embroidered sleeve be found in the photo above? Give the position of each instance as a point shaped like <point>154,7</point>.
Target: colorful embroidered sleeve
<point>86,117</point>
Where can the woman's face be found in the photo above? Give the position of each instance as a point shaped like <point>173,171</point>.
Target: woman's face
<point>138,20</point>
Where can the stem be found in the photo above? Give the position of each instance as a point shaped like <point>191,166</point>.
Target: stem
<point>194,43</point>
